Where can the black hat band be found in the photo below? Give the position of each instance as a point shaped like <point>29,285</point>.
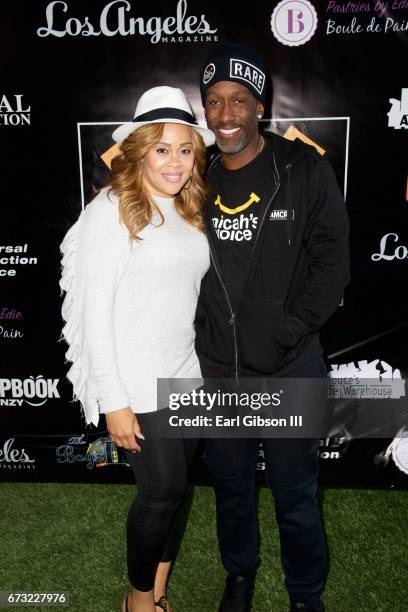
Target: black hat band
<point>165,113</point>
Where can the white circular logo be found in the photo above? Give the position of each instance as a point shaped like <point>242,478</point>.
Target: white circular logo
<point>400,453</point>
<point>294,22</point>
<point>208,73</point>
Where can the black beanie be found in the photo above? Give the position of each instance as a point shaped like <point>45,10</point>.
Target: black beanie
<point>229,62</point>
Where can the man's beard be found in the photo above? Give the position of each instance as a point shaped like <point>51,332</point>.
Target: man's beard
<point>233,148</point>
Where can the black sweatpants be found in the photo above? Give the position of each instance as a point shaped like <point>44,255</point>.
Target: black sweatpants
<point>156,519</point>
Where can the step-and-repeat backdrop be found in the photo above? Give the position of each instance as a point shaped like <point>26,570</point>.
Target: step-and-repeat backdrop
<point>71,71</point>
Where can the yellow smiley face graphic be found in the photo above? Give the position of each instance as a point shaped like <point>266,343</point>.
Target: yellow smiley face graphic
<point>253,198</point>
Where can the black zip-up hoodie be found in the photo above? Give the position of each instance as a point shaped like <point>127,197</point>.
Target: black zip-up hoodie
<point>295,276</point>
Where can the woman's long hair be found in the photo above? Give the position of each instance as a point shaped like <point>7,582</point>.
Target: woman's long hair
<point>126,181</point>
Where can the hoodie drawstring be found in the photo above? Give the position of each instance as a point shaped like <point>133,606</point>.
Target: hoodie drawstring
<point>289,212</point>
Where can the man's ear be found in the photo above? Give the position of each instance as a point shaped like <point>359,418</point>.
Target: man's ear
<point>259,109</point>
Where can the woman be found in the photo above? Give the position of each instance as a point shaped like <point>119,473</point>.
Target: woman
<point>132,269</point>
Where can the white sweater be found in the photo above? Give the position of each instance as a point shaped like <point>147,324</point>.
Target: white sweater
<point>129,308</point>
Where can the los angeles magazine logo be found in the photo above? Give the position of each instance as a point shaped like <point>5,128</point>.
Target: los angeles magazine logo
<point>117,19</point>
<point>390,249</point>
<point>15,458</point>
<point>34,391</point>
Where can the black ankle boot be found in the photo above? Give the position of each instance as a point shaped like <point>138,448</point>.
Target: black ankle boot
<point>238,594</point>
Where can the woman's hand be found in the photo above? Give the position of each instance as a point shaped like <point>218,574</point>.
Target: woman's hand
<point>123,426</point>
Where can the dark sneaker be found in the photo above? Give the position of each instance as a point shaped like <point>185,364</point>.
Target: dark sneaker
<point>301,607</point>
<point>238,594</point>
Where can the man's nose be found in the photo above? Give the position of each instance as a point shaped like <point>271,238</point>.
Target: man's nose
<point>226,114</point>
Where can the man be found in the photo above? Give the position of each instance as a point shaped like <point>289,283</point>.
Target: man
<point>277,227</point>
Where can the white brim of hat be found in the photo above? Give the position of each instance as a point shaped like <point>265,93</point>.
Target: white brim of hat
<point>124,130</point>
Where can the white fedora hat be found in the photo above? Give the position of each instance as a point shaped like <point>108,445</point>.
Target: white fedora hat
<point>162,105</point>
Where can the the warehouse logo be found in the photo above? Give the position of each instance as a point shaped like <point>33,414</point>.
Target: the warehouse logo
<point>388,250</point>
<point>115,20</point>
<point>377,368</point>
<point>293,23</point>
<point>33,391</point>
<point>14,111</point>
<point>398,113</point>
<point>14,458</point>
<point>365,380</point>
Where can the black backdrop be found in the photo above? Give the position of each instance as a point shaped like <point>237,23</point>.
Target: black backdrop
<point>70,71</point>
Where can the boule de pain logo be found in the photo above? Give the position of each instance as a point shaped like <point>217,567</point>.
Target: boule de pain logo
<point>294,22</point>
<point>11,316</point>
<point>115,19</point>
<point>398,113</point>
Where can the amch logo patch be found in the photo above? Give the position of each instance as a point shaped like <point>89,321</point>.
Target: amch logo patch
<point>282,215</point>
<point>244,71</point>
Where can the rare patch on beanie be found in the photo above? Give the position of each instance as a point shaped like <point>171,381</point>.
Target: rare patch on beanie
<point>237,63</point>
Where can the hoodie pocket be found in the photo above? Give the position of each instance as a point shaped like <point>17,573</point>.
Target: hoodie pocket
<point>214,332</point>
<point>261,325</point>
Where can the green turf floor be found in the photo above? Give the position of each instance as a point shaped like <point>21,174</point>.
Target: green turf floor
<point>71,537</point>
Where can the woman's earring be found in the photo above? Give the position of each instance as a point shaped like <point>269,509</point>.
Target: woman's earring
<point>259,116</point>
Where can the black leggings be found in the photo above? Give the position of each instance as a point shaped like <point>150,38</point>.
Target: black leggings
<point>156,519</point>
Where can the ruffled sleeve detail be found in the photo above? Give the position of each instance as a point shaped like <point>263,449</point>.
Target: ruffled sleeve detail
<point>72,331</point>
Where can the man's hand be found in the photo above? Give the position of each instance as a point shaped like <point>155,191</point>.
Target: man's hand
<point>123,426</point>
